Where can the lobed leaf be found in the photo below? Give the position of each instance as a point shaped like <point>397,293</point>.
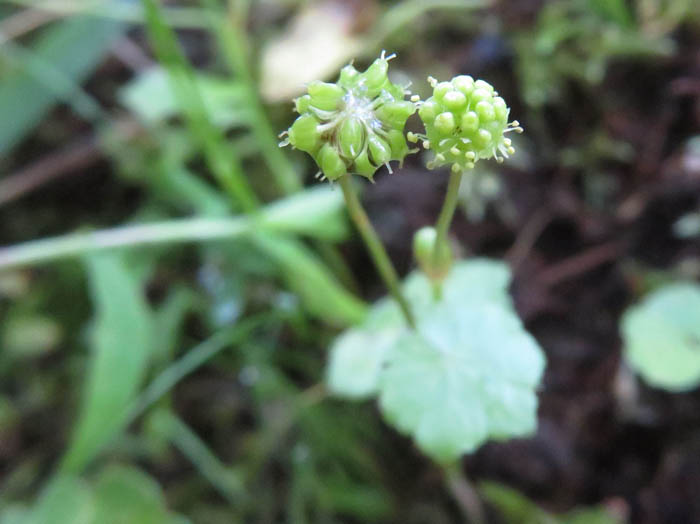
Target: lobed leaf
<point>466,375</point>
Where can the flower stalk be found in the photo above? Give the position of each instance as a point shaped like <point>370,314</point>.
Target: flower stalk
<point>376,248</point>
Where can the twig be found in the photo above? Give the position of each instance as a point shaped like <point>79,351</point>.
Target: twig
<point>580,263</point>
<point>79,155</point>
<point>528,236</point>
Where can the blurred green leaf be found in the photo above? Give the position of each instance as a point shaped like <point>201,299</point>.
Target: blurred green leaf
<point>168,319</point>
<point>14,514</point>
<point>662,337</point>
<point>317,211</point>
<point>306,275</point>
<point>125,495</point>
<point>121,349</point>
<point>467,374</point>
<point>66,500</point>
<point>517,508</point>
<point>149,96</point>
<point>614,10</point>
<point>74,47</point>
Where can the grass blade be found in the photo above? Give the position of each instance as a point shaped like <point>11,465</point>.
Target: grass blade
<point>121,348</point>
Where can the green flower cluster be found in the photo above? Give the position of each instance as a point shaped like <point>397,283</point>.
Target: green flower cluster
<point>465,120</point>
<point>354,125</point>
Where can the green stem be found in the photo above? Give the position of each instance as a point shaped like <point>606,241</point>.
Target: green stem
<point>76,244</point>
<point>231,37</point>
<point>224,166</point>
<point>445,219</point>
<point>375,247</point>
<point>464,494</point>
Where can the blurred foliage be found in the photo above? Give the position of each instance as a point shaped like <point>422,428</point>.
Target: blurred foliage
<point>662,336</point>
<point>575,40</point>
<point>184,382</point>
<point>518,509</point>
<point>467,374</point>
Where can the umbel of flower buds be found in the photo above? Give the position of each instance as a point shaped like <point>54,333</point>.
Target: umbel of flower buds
<point>355,125</point>
<point>465,120</point>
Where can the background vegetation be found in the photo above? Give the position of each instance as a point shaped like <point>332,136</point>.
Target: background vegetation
<point>180,377</point>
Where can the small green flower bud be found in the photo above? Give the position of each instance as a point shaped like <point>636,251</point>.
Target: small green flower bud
<point>465,121</point>
<point>354,125</point>
<point>470,122</point>
<point>445,123</point>
<point>428,111</point>
<point>398,145</point>
<point>379,150</point>
<point>396,113</point>
<point>302,104</point>
<point>479,95</point>
<point>348,76</point>
<point>330,163</point>
<point>304,133</point>
<point>454,100</point>
<point>325,96</point>
<point>363,166</point>
<point>435,267</point>
<point>441,90</point>
<point>485,111</point>
<point>351,137</point>
<point>482,84</point>
<point>483,138</point>
<point>376,74</point>
<point>464,84</point>
<point>500,107</point>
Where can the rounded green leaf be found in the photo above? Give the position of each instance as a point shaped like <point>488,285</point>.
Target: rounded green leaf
<point>467,374</point>
<point>662,337</point>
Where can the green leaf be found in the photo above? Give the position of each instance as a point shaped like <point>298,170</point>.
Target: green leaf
<point>121,348</point>
<point>14,514</point>
<point>125,495</point>
<point>358,355</point>
<point>149,96</point>
<point>515,507</point>
<point>467,374</point>
<point>317,287</point>
<point>318,212</point>
<point>614,10</point>
<point>662,337</point>
<point>66,500</point>
<point>74,48</point>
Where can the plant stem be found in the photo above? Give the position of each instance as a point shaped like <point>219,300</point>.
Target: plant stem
<point>231,36</point>
<point>464,494</point>
<point>76,244</point>
<point>445,219</point>
<point>375,247</point>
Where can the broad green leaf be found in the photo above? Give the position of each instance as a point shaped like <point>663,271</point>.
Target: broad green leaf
<point>149,96</point>
<point>662,337</point>
<point>358,355</point>
<point>74,48</point>
<point>121,348</point>
<point>66,500</point>
<point>125,495</point>
<point>467,374</point>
